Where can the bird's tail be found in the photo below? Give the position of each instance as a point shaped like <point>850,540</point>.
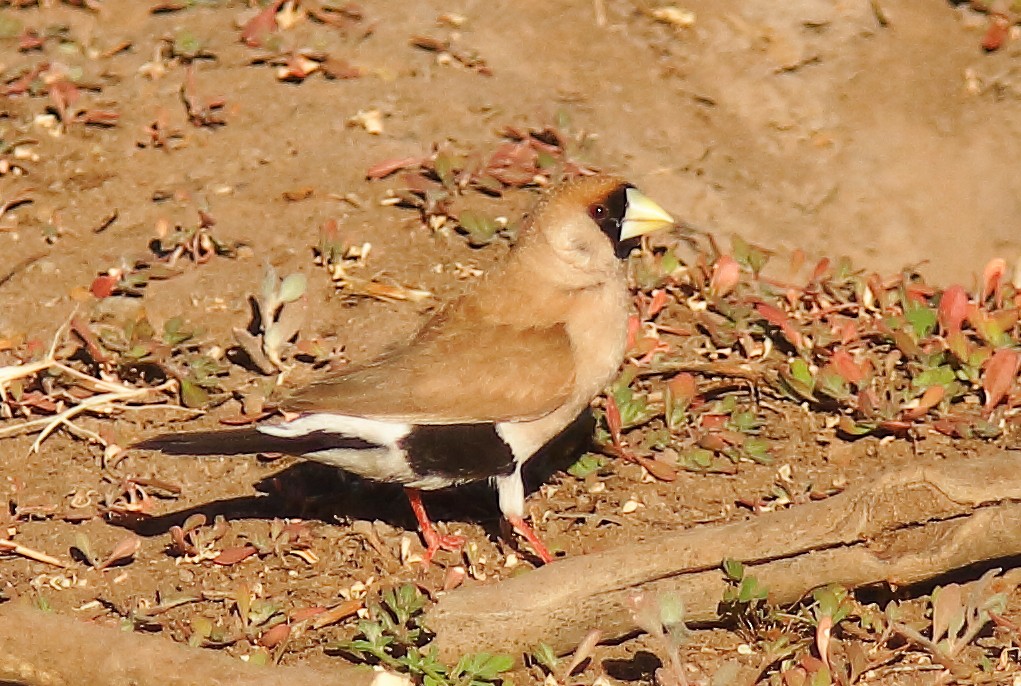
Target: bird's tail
<point>249,441</point>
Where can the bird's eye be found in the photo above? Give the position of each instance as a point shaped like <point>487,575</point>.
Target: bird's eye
<point>598,212</point>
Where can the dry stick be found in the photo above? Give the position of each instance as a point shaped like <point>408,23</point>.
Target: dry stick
<point>903,527</point>
<point>7,545</point>
<point>44,649</point>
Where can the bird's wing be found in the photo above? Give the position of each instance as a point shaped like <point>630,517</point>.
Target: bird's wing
<point>472,371</point>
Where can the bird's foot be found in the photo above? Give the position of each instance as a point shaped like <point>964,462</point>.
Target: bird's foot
<point>521,526</point>
<point>435,541</point>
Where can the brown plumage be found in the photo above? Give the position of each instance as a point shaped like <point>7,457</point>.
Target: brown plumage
<point>495,374</point>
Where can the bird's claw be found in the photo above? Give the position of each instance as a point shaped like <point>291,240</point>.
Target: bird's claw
<point>435,541</point>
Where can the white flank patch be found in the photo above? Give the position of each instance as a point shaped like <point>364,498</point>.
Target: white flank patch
<point>385,463</point>
<point>376,431</point>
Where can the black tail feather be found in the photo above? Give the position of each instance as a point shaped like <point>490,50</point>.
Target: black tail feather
<point>249,442</point>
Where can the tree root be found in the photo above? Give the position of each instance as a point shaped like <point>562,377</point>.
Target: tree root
<point>906,526</point>
<point>44,649</point>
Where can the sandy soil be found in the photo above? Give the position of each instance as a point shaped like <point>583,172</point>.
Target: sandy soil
<point>803,125</point>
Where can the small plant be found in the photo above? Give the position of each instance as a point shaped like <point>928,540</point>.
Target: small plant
<point>394,636</point>
<point>277,316</point>
<point>662,617</point>
<point>745,599</point>
<point>959,614</point>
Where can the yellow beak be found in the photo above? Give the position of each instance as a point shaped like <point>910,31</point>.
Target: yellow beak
<point>642,216</point>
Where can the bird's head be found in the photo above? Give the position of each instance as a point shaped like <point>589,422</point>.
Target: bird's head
<point>592,223</point>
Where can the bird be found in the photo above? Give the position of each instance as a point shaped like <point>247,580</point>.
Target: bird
<point>490,378</point>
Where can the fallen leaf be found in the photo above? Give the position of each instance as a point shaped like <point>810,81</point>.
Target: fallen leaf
<point>998,377</point>
<point>232,556</point>
<point>254,32</point>
<point>275,636</point>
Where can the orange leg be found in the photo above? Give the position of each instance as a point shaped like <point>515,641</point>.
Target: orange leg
<point>434,540</point>
<point>521,526</point>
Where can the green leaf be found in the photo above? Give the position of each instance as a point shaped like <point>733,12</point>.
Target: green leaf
<point>744,421</point>
<point>193,395</point>
<point>545,656</point>
<point>259,657</point>
<point>481,228</point>
<point>482,666</point>
<point>589,463</point>
<point>751,590</point>
<point>671,610</point>
<point>757,450</point>
<point>174,332</point>
<point>802,373</point>
<point>939,376</point>
<point>187,44</point>
<point>445,165</point>
<point>292,288</point>
<point>545,160</point>
<point>734,569</point>
<point>696,458</point>
<point>922,320</point>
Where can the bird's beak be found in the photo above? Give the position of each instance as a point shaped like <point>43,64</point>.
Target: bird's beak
<point>643,216</point>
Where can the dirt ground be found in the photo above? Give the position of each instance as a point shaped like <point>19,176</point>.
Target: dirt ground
<point>881,131</point>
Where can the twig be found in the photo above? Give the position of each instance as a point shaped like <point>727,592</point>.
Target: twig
<point>707,368</point>
<point>18,549</point>
<point>20,266</point>
<point>954,667</point>
<point>95,403</point>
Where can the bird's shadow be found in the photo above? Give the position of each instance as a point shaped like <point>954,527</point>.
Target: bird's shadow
<point>310,490</point>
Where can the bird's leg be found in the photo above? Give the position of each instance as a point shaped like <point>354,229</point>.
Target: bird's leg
<point>522,527</point>
<point>434,540</point>
<point>511,490</point>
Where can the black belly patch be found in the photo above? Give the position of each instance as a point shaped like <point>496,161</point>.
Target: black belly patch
<point>465,452</point>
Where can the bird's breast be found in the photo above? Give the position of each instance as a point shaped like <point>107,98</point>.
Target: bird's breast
<point>598,333</point>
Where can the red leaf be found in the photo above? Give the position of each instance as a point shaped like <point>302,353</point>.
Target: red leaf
<point>931,398</point>
<point>996,32</point>
<point>780,320</point>
<point>947,428</point>
<point>262,24</point>
<point>658,302</point>
<point>953,309</point>
<point>713,442</point>
<point>713,421</point>
<point>992,279</point>
<point>300,614</point>
<point>657,469</point>
<point>998,376</point>
<point>683,388</point>
<point>846,367</point>
<point>274,636</point>
<point>726,275</point>
<point>124,550</point>
<point>64,95</point>
<point>232,556</point>
<point>102,286</point>
<point>822,270</point>
<point>388,167</point>
<point>634,325</point>
<point>613,421</point>
<point>245,419</point>
<point>29,40</point>
<point>895,426</point>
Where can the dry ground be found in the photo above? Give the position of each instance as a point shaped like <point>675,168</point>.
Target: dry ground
<point>798,125</point>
